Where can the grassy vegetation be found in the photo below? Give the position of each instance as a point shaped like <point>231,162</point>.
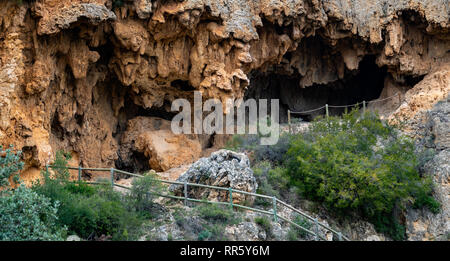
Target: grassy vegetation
<point>206,221</point>
<point>56,206</point>
<point>264,223</point>
<point>296,233</point>
<point>350,164</point>
<point>98,211</point>
<point>217,217</point>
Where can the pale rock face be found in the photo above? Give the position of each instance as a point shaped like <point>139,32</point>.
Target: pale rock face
<point>166,150</point>
<point>422,224</point>
<point>223,168</point>
<point>247,231</point>
<point>154,138</point>
<point>73,72</point>
<point>59,15</point>
<point>423,96</point>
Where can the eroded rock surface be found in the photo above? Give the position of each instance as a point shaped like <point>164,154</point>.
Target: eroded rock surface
<point>74,72</point>
<point>224,168</point>
<point>434,133</point>
<point>154,139</point>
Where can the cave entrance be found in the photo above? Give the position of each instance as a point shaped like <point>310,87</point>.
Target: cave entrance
<point>364,84</point>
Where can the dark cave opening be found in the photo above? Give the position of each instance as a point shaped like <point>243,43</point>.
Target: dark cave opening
<point>364,84</point>
<point>182,85</point>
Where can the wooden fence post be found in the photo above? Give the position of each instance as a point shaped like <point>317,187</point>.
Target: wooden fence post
<point>364,106</point>
<point>185,193</point>
<point>46,169</point>
<point>230,191</point>
<point>316,228</point>
<point>326,110</point>
<point>112,176</point>
<point>274,203</point>
<point>340,236</point>
<point>79,173</point>
<point>289,120</point>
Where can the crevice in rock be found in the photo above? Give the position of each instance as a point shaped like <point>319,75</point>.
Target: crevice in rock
<point>56,129</point>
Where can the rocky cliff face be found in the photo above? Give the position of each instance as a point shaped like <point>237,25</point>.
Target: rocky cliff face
<point>77,75</point>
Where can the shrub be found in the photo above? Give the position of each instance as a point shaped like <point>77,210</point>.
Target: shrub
<point>190,224</point>
<point>275,154</point>
<point>60,166</point>
<point>358,164</point>
<point>264,223</point>
<point>139,196</point>
<point>213,232</point>
<point>295,232</point>
<point>26,215</point>
<point>94,211</point>
<point>216,217</point>
<point>217,214</point>
<point>10,164</point>
<point>272,181</point>
<point>204,235</point>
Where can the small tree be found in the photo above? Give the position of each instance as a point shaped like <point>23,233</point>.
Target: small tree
<point>26,215</point>
<point>10,164</point>
<point>61,160</point>
<point>143,193</point>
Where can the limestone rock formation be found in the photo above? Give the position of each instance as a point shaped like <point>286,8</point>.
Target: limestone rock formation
<point>56,15</point>
<point>74,72</point>
<point>434,133</point>
<point>433,88</point>
<point>223,168</point>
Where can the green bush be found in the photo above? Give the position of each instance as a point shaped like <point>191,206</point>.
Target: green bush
<point>295,232</point>
<point>271,181</point>
<point>217,214</point>
<point>275,154</point>
<point>204,235</point>
<point>139,195</point>
<point>10,164</point>
<point>264,223</point>
<point>26,215</point>
<point>82,209</point>
<point>92,211</point>
<point>60,165</point>
<point>216,217</point>
<point>213,232</point>
<point>189,223</point>
<point>359,164</point>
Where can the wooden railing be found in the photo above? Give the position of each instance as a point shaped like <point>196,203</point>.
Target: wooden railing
<point>273,212</point>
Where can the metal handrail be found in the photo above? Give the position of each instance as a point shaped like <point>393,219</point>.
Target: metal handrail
<point>230,192</point>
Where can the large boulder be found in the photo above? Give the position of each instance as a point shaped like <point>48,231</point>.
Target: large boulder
<point>224,168</point>
<point>153,140</point>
